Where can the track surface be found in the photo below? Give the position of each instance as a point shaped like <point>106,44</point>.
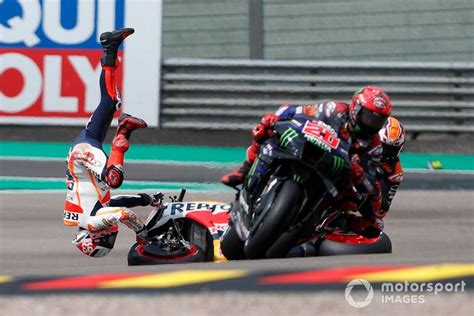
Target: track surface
<point>430,222</point>
<point>425,227</point>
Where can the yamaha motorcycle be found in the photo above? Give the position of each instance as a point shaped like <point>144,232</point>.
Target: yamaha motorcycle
<point>287,196</point>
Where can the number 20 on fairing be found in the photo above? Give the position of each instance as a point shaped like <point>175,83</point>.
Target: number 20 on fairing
<point>322,133</point>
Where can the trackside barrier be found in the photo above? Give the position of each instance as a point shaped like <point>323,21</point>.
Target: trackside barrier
<point>233,94</point>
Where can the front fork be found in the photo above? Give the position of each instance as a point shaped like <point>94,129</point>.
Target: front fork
<point>254,178</point>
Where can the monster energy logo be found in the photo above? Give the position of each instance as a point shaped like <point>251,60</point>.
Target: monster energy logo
<point>297,178</point>
<point>287,137</point>
<point>337,164</point>
<point>254,166</point>
<point>249,179</point>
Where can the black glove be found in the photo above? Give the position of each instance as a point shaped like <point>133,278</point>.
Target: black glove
<point>154,199</point>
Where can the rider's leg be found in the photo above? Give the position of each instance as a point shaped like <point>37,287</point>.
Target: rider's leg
<point>260,134</point>
<point>120,143</point>
<point>237,175</point>
<point>108,217</point>
<point>100,120</point>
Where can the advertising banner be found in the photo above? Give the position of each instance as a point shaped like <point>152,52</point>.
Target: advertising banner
<point>49,59</point>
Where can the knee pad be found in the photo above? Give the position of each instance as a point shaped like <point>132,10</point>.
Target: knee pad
<point>96,244</point>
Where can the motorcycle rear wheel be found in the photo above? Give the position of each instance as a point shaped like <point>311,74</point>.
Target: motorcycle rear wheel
<point>334,248</point>
<point>151,255</point>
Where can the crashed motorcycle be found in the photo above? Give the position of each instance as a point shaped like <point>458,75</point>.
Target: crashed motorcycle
<point>181,232</point>
<point>286,197</point>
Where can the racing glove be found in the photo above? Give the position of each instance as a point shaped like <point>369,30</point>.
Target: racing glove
<point>155,199</point>
<point>357,172</point>
<point>264,129</point>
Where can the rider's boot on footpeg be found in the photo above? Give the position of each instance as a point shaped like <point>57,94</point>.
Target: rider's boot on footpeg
<point>236,176</point>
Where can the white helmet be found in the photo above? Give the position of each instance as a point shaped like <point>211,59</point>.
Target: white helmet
<point>96,244</point>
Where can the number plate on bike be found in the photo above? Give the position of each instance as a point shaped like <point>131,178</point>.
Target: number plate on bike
<point>321,134</point>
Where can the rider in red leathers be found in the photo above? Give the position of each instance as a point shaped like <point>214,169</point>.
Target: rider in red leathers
<point>362,119</point>
<point>91,174</point>
<point>388,173</point>
<point>390,170</point>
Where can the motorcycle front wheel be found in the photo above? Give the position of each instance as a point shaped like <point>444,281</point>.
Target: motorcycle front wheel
<point>272,226</point>
<point>231,245</point>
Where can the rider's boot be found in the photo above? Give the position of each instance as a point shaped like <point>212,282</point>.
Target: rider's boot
<point>120,143</point>
<point>110,42</point>
<point>127,124</point>
<point>237,176</point>
<point>260,133</point>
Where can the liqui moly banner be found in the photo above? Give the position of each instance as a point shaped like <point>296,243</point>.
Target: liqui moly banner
<point>49,59</point>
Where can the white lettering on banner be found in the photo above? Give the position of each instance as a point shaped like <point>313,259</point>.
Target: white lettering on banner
<point>89,76</point>
<point>52,99</point>
<point>23,29</point>
<point>79,33</point>
<point>54,46</point>
<point>52,79</point>
<point>106,18</point>
<point>31,82</point>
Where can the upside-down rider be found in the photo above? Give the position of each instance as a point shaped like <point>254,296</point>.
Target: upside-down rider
<point>360,123</point>
<point>91,174</point>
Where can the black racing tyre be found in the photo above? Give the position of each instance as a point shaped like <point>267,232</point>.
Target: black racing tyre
<point>232,246</point>
<point>271,227</point>
<point>152,255</point>
<point>334,248</point>
<point>283,244</point>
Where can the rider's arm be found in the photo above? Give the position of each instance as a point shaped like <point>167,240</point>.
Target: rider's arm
<point>263,130</point>
<point>390,180</point>
<point>141,199</point>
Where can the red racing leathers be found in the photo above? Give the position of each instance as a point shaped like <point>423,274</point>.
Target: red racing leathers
<point>390,174</point>
<point>365,157</point>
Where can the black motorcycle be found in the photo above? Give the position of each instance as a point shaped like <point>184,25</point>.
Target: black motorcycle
<point>288,189</point>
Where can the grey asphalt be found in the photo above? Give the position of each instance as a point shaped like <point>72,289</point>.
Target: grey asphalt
<point>431,221</point>
<point>425,227</point>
